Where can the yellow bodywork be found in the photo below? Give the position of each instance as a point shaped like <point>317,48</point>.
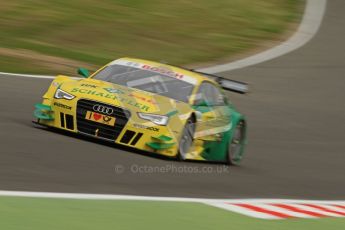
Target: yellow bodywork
<point>130,99</point>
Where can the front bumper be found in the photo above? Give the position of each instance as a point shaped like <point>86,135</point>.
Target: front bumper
<point>71,117</point>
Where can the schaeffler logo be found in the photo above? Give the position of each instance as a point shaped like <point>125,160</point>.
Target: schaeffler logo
<point>103,109</point>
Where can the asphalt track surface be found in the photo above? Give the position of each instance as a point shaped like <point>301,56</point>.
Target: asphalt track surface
<point>296,148</point>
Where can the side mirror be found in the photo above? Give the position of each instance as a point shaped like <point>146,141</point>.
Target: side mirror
<point>83,72</point>
<point>201,102</point>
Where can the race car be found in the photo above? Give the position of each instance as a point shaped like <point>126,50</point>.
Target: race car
<point>150,106</point>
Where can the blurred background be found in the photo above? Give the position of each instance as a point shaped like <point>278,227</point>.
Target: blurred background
<point>57,36</point>
<point>294,151</point>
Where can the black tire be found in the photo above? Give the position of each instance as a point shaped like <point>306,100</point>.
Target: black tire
<point>236,144</point>
<point>186,139</point>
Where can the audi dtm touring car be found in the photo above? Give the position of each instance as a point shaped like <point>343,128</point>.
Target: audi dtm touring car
<point>150,106</point>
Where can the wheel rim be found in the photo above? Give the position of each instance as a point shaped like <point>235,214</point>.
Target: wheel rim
<point>236,144</point>
<point>186,140</point>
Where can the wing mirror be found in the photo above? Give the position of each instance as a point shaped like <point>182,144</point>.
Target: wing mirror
<point>201,102</point>
<point>83,72</point>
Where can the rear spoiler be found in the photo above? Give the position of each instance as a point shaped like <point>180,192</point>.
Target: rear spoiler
<point>227,84</point>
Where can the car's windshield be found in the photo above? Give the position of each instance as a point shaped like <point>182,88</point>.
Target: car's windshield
<point>146,80</point>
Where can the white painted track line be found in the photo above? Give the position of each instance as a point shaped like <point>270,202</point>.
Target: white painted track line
<point>157,198</point>
<point>309,26</point>
<point>270,207</point>
<point>26,75</point>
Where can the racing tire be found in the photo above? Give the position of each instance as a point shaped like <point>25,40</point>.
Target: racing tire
<point>236,144</point>
<point>186,140</point>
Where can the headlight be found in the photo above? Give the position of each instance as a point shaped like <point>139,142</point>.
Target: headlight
<point>155,118</point>
<point>59,94</point>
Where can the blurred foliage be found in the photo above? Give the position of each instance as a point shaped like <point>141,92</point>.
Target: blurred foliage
<point>178,32</point>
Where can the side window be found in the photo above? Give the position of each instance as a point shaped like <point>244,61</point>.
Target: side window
<point>210,95</point>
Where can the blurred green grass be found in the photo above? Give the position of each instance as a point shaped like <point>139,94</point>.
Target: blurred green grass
<point>179,32</point>
<point>56,214</point>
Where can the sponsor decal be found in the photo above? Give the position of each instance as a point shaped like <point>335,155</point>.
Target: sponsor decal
<point>136,104</point>
<point>89,85</point>
<point>111,96</point>
<point>62,105</point>
<point>140,126</point>
<point>157,69</point>
<point>100,118</point>
<point>94,92</point>
<point>172,113</point>
<point>148,100</point>
<point>107,119</point>
<point>163,70</point>
<point>110,90</point>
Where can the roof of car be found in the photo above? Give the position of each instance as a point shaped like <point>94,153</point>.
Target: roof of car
<point>173,71</point>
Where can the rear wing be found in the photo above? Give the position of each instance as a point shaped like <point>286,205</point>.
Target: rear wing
<point>227,84</point>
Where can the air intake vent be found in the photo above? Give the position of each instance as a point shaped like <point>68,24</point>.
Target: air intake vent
<point>127,137</point>
<point>66,121</point>
<point>69,122</point>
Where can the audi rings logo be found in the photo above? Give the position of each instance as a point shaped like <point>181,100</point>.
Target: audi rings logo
<point>103,109</point>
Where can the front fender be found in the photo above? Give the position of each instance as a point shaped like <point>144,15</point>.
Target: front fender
<point>217,151</point>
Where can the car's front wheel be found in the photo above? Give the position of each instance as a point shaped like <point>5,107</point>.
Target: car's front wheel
<point>236,144</point>
<point>186,140</point>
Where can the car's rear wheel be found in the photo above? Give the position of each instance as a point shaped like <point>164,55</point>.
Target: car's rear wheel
<point>236,144</point>
<point>186,140</point>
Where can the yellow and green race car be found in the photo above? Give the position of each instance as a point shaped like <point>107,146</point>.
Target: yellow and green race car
<point>150,106</point>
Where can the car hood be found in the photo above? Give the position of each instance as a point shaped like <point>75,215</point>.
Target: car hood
<point>125,97</point>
